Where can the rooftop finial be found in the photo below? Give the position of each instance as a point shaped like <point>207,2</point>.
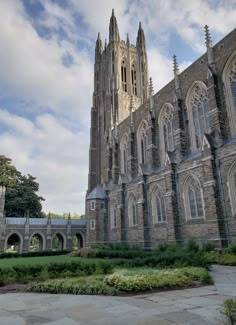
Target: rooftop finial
<point>140,25</point>
<point>207,36</point>
<point>127,39</point>
<point>113,12</point>
<point>175,65</point>
<point>151,89</point>
<point>98,35</point>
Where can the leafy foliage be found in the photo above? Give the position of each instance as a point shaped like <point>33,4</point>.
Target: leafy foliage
<point>22,198</point>
<point>124,280</point>
<point>229,310</point>
<point>7,172</point>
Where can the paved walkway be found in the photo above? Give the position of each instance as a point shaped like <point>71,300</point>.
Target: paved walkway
<point>197,306</point>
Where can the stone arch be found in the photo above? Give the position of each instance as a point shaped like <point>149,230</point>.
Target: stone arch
<point>197,111</point>
<point>124,74</point>
<point>113,214</point>
<point>77,240</point>
<point>132,210</point>
<point>142,142</point>
<point>133,69</point>
<point>21,240</point>
<point>229,79</point>
<point>166,134</point>
<point>193,198</point>
<point>231,182</point>
<point>42,240</point>
<point>60,243</point>
<point>158,205</point>
<point>124,153</point>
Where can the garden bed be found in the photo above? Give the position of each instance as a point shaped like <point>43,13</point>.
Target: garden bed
<point>127,281</point>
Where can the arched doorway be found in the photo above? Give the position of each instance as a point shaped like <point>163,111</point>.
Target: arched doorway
<point>13,243</point>
<point>36,243</point>
<point>57,242</point>
<point>77,241</point>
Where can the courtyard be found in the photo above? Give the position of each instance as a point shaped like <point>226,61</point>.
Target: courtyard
<point>190,306</point>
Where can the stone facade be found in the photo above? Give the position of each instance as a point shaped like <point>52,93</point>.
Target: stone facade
<point>166,162</point>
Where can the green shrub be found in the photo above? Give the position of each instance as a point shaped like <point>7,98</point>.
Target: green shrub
<point>87,285</point>
<point>229,310</point>
<point>87,252</point>
<point>192,246</point>
<point>221,258</point>
<point>125,280</point>
<point>231,249</point>
<point>207,246</point>
<point>32,254</point>
<point>147,279</point>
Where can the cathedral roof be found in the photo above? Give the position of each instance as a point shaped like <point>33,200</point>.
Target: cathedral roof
<point>97,193</point>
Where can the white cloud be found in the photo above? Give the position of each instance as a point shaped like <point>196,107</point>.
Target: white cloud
<point>52,153</point>
<point>32,70</point>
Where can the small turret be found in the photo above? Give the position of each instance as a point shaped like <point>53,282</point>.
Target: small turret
<point>127,40</point>
<point>207,36</point>
<point>98,48</point>
<point>176,75</point>
<point>113,29</point>
<point>140,43</point>
<point>210,55</point>
<point>175,65</point>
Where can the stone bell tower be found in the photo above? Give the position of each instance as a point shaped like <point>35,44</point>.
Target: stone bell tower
<point>120,72</point>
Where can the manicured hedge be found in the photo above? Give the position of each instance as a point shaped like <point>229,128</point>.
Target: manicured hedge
<point>32,254</point>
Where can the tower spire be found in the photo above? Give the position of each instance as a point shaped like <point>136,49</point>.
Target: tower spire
<point>151,89</point>
<point>98,48</point>
<point>210,55</point>
<point>113,29</point>
<point>175,65</point>
<point>207,36</point>
<point>141,37</point>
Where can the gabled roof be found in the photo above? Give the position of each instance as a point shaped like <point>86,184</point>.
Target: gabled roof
<point>97,193</point>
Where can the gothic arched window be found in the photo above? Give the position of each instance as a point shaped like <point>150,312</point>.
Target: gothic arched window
<point>134,80</point>
<point>124,76</point>
<point>193,199</point>
<point>232,187</point>
<point>229,78</point>
<point>158,206</point>
<point>142,142</point>
<point>132,208</point>
<point>124,154</point>
<point>166,130</point>
<point>197,104</point>
<point>113,215</point>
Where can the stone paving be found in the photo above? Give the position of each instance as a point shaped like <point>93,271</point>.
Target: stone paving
<point>197,306</point>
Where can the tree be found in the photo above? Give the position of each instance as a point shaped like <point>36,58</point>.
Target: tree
<point>7,172</point>
<point>22,198</point>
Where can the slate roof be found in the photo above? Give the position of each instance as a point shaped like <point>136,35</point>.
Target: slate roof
<point>43,221</point>
<point>97,193</point>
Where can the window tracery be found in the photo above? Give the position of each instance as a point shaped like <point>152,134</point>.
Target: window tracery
<point>124,154</point>
<point>133,220</point>
<point>158,207</point>
<point>134,80</point>
<point>124,76</point>
<point>232,187</point>
<point>193,199</point>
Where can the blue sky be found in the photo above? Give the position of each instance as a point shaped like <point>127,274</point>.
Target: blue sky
<point>46,76</point>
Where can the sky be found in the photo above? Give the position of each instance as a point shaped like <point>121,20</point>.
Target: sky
<point>46,76</point>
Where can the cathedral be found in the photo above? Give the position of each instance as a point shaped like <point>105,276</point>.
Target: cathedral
<point>162,167</point>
